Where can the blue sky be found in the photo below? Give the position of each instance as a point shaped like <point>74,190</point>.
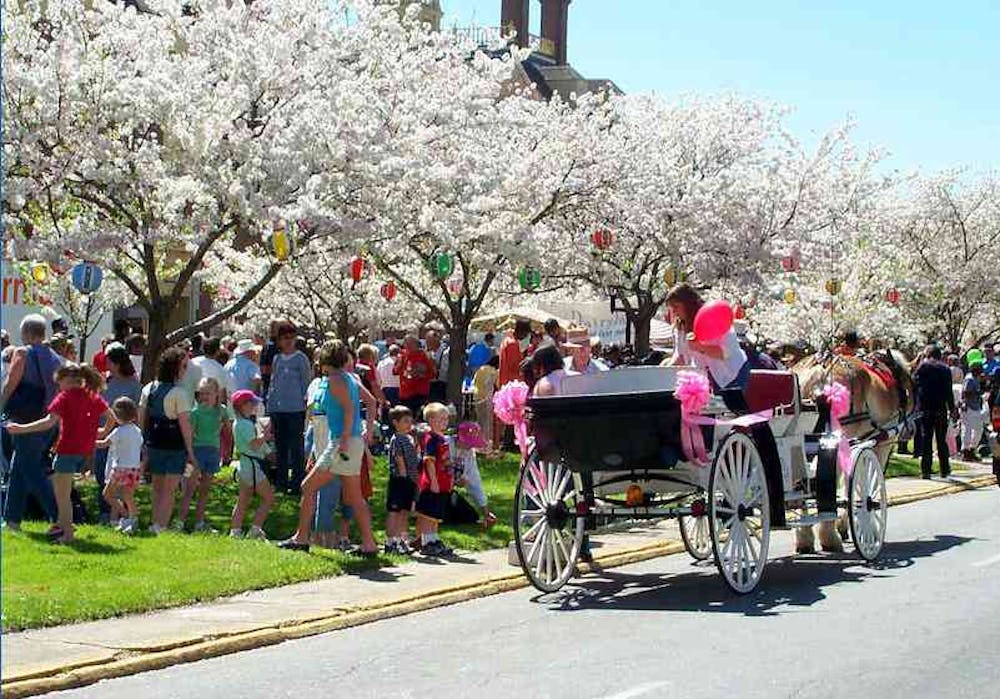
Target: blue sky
<point>921,78</point>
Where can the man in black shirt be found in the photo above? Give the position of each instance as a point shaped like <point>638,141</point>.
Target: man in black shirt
<point>936,402</point>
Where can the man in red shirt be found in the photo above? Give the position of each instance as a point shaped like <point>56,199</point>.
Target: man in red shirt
<point>415,369</point>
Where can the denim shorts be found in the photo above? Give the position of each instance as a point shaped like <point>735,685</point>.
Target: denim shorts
<point>68,463</point>
<point>167,462</point>
<point>209,459</point>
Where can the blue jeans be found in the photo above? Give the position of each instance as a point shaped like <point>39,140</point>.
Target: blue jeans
<point>289,445</point>
<point>28,476</point>
<point>100,466</point>
<point>327,499</point>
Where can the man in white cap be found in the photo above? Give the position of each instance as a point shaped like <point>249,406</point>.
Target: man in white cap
<point>242,371</point>
<point>579,356</point>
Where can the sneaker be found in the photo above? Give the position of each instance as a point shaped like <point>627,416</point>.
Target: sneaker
<point>344,544</point>
<point>436,549</point>
<point>257,533</point>
<point>131,526</point>
<point>391,546</point>
<point>113,523</point>
<point>177,525</point>
<point>204,528</point>
<point>235,533</point>
<point>155,529</point>
<point>403,549</point>
<point>293,545</point>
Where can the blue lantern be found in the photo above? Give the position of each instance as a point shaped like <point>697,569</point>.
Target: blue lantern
<point>87,277</point>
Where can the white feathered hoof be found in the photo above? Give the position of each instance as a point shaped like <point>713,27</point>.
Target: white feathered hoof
<point>829,539</point>
<point>804,540</point>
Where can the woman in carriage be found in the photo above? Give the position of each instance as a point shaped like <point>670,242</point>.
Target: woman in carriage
<point>723,359</point>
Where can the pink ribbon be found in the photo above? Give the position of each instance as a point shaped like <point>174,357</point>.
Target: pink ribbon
<point>693,393</point>
<point>508,405</point>
<point>838,397</point>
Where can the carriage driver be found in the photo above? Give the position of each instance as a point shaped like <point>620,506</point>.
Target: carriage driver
<point>723,359</point>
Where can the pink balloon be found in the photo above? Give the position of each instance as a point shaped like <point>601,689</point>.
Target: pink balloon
<point>713,320</point>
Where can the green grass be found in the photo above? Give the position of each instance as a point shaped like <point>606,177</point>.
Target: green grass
<point>902,465</point>
<point>104,574</point>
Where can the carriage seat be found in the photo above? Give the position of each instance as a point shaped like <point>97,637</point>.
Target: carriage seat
<point>767,390</point>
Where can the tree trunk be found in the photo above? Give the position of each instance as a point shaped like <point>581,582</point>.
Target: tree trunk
<point>641,320</point>
<point>155,343</point>
<point>459,332</point>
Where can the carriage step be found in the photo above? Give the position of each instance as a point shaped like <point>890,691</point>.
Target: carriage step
<point>810,520</point>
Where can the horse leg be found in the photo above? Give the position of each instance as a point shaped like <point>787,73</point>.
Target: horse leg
<point>804,540</point>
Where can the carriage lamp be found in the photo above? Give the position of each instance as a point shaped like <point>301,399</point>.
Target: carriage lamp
<point>634,497</point>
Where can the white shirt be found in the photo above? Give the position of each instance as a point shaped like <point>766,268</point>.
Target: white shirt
<point>723,371</point>
<point>211,369</point>
<point>125,447</point>
<point>441,357</point>
<point>136,360</point>
<point>386,378</point>
<point>594,366</point>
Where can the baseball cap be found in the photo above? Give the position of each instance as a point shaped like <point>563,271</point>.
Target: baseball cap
<point>242,396</point>
<point>244,346</point>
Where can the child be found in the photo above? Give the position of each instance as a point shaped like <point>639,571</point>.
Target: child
<point>254,450</point>
<point>124,468</point>
<point>404,472</point>
<point>469,439</point>
<point>435,481</point>
<point>77,409</point>
<point>208,420</point>
<point>344,451</point>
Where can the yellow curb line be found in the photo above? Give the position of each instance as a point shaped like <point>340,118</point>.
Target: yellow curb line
<point>201,648</point>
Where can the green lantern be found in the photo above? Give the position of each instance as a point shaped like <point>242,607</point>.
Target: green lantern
<point>442,265</point>
<point>529,278</point>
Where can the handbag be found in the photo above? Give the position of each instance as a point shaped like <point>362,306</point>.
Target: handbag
<point>27,402</point>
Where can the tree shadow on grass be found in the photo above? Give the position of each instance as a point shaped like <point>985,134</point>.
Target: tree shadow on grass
<point>798,581</point>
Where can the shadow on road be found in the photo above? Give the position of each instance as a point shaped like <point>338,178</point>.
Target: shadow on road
<point>798,581</point>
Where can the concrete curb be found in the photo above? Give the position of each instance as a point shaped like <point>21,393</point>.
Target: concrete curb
<point>166,654</point>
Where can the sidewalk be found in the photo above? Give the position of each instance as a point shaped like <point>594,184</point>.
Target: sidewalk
<point>42,660</point>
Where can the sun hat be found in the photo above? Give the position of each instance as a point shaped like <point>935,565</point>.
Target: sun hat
<point>244,346</point>
<point>242,396</point>
<point>470,436</point>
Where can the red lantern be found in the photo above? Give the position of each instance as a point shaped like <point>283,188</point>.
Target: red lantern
<point>454,287</point>
<point>739,313</point>
<point>357,269</point>
<point>602,238</point>
<point>790,263</point>
<point>892,296</point>
<point>388,291</point>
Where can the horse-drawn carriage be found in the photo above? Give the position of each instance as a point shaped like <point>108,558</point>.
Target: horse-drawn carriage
<point>613,446</point>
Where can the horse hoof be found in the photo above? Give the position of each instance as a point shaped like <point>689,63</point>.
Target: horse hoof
<point>805,548</point>
<point>833,548</point>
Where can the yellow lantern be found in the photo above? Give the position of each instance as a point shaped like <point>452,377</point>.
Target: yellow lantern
<point>672,276</point>
<point>833,286</point>
<point>790,296</point>
<point>40,272</point>
<point>282,240</point>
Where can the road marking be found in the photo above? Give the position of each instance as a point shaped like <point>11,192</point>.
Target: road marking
<point>987,561</point>
<point>637,691</point>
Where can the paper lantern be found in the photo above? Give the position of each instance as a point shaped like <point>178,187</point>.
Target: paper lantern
<point>357,269</point>
<point>790,263</point>
<point>892,296</point>
<point>713,320</point>
<point>442,265</point>
<point>87,277</point>
<point>529,278</point>
<point>832,286</point>
<point>388,291</point>
<point>739,313</point>
<point>40,272</point>
<point>672,276</point>
<point>789,296</point>
<point>281,241</point>
<point>975,356</point>
<point>454,287</point>
<point>602,238</point>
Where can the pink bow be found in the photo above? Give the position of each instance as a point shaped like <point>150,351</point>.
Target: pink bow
<point>838,397</point>
<point>693,393</point>
<point>508,405</point>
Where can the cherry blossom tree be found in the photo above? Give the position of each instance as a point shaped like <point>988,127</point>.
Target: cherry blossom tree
<point>162,144</point>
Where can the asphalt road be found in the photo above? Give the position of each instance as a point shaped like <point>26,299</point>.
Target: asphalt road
<point>922,622</point>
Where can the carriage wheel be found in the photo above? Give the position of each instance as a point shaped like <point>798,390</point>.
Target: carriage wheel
<point>547,532</point>
<point>696,536</point>
<point>739,513</point>
<point>867,504</point>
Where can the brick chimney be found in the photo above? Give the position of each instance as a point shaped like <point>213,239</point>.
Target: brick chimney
<point>555,20</point>
<point>514,18</point>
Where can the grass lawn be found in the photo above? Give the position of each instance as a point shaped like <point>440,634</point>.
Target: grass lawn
<point>104,573</point>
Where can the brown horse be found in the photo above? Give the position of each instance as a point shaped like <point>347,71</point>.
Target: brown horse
<point>882,395</point>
